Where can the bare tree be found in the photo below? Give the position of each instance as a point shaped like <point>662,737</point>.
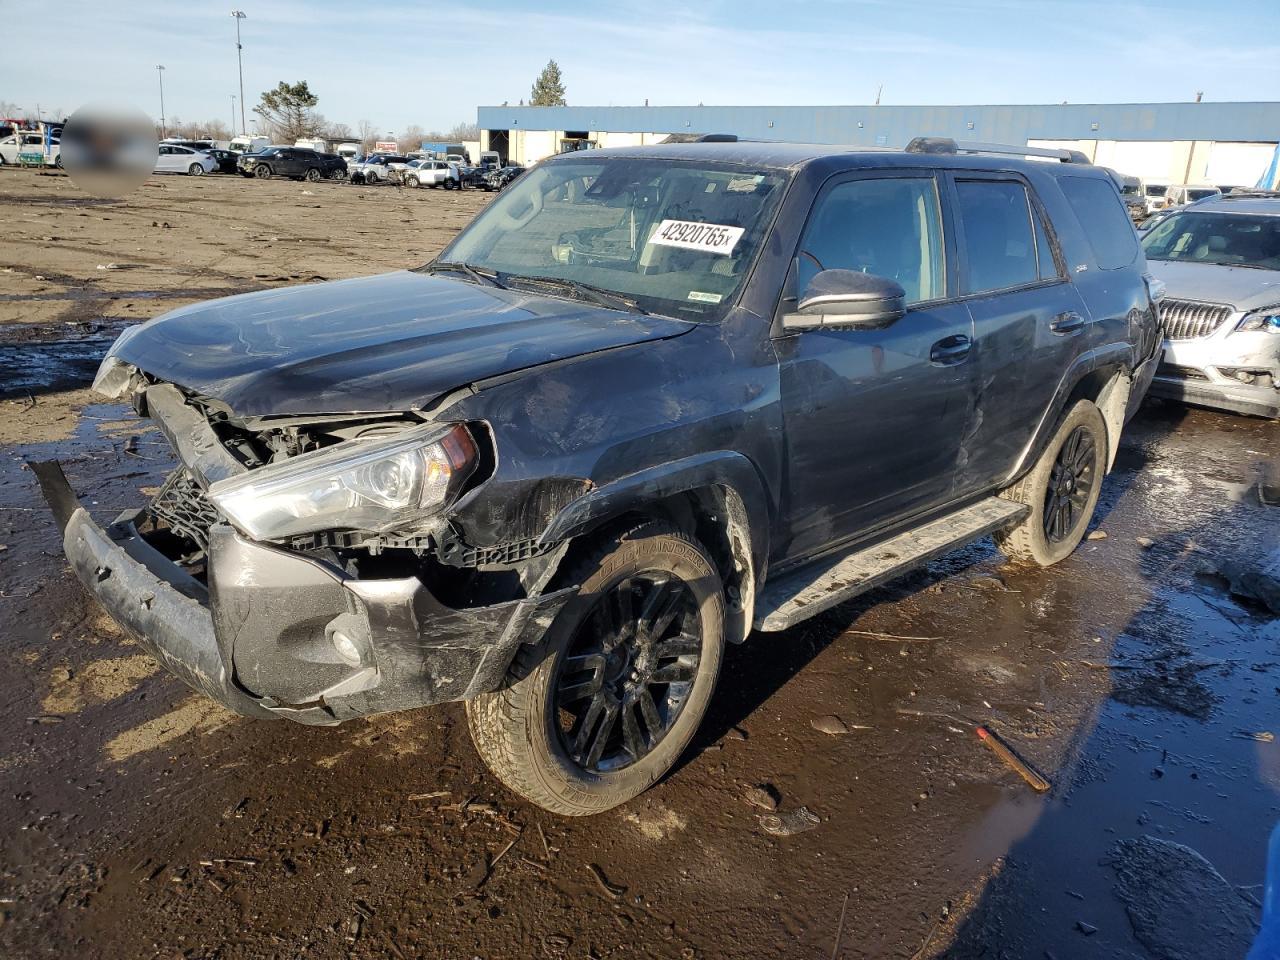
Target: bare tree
<point>412,136</point>
<point>339,131</point>
<point>368,134</point>
<point>464,131</point>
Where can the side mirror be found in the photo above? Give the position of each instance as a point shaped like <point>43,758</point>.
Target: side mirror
<point>847,298</point>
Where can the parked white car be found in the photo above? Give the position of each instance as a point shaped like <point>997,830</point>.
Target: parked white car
<point>1180,194</point>
<point>432,173</point>
<point>30,143</point>
<point>176,159</point>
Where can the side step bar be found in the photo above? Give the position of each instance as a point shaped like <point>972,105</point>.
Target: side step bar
<point>820,586</point>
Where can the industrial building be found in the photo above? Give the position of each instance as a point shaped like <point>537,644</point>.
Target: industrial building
<point>1225,144</point>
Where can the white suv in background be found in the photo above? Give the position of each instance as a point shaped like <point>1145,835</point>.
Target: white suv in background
<point>432,173</point>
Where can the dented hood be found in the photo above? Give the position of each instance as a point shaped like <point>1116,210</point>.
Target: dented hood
<point>388,342</point>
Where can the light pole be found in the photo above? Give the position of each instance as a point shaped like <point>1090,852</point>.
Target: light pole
<point>160,74</point>
<point>233,115</point>
<point>239,15</point>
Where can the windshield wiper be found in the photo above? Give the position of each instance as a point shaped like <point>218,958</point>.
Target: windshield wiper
<point>458,266</point>
<point>581,291</point>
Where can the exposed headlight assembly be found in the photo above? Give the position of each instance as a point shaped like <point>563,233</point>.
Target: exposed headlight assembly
<point>1266,319</point>
<point>380,485</point>
<point>114,375</point>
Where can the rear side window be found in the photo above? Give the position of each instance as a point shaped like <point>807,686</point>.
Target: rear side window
<point>1103,217</point>
<point>998,235</point>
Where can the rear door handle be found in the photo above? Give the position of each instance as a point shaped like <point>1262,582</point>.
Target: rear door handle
<point>1069,322</point>
<point>950,350</point>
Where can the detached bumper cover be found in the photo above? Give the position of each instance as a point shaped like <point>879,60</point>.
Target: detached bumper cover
<point>259,641</point>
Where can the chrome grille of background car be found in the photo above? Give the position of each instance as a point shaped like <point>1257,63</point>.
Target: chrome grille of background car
<point>1189,319</point>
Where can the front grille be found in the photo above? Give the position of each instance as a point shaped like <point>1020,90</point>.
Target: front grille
<point>1190,319</point>
<point>186,508</point>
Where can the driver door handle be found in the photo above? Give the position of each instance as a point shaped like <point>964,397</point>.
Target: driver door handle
<point>950,350</point>
<point>1069,322</point>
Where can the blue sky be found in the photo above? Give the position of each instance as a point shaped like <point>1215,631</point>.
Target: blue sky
<point>398,62</point>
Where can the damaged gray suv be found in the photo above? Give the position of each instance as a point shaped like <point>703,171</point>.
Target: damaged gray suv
<point>650,400</point>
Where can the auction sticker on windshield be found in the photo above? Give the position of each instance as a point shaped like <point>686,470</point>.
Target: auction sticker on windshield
<point>689,235</point>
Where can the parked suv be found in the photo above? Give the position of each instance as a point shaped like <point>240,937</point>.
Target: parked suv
<point>296,163</point>
<point>1220,262</point>
<point>649,400</point>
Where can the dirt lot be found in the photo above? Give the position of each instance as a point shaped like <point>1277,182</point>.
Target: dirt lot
<point>139,820</point>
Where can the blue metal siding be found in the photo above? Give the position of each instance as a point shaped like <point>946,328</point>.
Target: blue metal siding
<point>894,126</point>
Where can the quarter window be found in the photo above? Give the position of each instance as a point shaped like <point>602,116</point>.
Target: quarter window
<point>998,235</point>
<point>888,227</point>
<point>1103,217</point>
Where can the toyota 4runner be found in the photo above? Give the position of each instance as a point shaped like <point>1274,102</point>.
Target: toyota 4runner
<point>650,400</point>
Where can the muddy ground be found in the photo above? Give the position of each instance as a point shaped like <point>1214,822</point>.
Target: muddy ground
<point>139,820</point>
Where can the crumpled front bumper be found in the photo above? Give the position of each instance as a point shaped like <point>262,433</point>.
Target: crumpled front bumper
<point>259,640</point>
<point>1199,371</point>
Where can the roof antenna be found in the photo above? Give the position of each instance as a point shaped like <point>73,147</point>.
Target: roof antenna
<point>1199,95</point>
<point>879,90</point>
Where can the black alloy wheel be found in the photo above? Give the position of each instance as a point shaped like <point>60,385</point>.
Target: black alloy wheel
<point>628,672</point>
<point>1070,486</point>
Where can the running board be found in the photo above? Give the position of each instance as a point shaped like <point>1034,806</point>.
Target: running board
<point>820,586</point>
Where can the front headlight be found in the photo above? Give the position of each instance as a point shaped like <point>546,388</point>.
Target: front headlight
<point>1267,319</point>
<point>371,485</point>
<point>114,375</point>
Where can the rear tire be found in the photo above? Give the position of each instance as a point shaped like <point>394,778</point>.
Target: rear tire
<point>196,170</point>
<point>1061,490</point>
<point>606,704</point>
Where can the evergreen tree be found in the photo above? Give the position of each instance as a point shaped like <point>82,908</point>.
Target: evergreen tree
<point>548,89</point>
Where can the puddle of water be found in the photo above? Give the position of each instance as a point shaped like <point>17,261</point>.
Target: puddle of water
<point>50,367</point>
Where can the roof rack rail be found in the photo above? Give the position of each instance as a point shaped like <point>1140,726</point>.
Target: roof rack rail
<point>947,145</point>
<point>717,138</point>
<point>1246,193</point>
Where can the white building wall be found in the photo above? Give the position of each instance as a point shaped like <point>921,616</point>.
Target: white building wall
<point>1239,164</point>
<point>1176,161</point>
<point>530,146</point>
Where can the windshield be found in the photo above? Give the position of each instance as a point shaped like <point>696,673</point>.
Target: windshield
<point>677,238</point>
<point>1201,194</point>
<point>1228,239</point>
<point>1156,190</point>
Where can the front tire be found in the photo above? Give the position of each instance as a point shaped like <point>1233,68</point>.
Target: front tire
<point>262,172</point>
<point>604,707</point>
<point>1061,490</point>
<point>313,175</point>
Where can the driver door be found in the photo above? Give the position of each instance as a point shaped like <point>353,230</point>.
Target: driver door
<point>874,418</point>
